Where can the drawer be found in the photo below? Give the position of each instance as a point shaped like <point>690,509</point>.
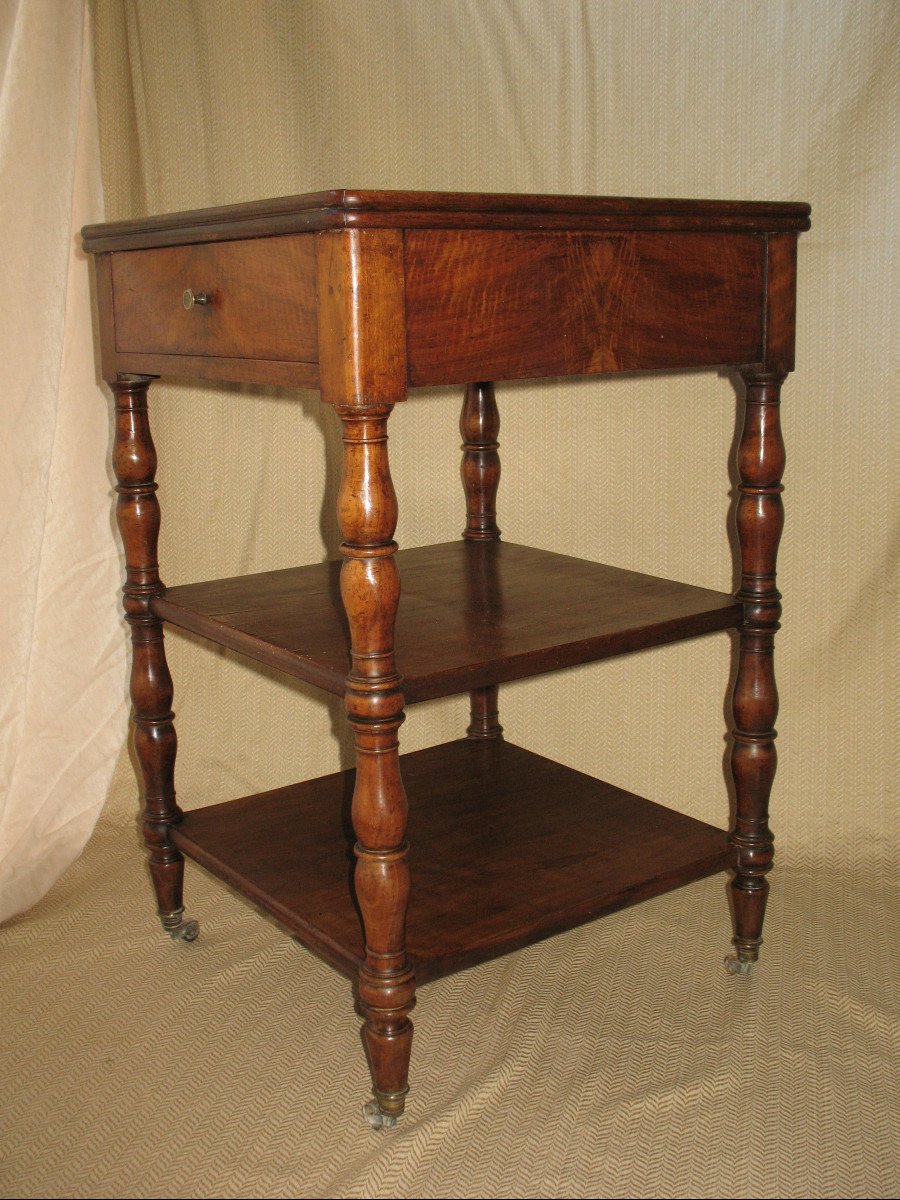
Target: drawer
<point>262,299</point>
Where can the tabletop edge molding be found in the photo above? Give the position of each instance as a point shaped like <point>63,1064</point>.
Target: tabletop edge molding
<point>343,208</point>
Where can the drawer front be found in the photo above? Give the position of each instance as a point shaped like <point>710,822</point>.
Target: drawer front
<point>507,305</point>
<point>262,299</point>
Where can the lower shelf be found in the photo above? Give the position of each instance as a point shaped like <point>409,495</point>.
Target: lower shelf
<point>507,847</point>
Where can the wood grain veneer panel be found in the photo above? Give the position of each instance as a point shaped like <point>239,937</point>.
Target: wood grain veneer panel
<point>506,305</point>
<point>263,300</point>
<point>470,614</point>
<point>781,301</point>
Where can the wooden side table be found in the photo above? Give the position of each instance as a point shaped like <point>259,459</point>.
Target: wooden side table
<point>365,295</point>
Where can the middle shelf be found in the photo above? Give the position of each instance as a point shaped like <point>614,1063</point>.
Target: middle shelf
<point>471,614</point>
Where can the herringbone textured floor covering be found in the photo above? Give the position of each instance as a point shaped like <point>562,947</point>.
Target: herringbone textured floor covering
<point>616,1060</point>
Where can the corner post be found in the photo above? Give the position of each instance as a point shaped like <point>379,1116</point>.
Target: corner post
<point>760,520</point>
<point>155,743</point>
<point>479,425</point>
<point>755,699</point>
<point>363,373</point>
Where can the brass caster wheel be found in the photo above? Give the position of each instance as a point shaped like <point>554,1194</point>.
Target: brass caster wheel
<point>377,1118</point>
<point>178,929</point>
<point>737,966</point>
<point>187,932</point>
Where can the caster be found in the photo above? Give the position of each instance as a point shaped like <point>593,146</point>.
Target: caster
<point>186,932</point>
<point>737,966</point>
<point>377,1118</point>
<point>178,929</point>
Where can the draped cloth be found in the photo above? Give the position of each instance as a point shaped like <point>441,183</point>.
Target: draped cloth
<point>62,684</point>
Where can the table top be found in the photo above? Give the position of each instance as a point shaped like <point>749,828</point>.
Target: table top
<point>351,208</point>
<point>364,293</point>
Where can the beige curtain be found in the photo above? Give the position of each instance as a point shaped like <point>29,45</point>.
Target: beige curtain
<point>62,684</point>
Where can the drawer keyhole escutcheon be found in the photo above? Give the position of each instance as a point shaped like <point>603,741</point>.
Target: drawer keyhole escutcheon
<point>189,298</point>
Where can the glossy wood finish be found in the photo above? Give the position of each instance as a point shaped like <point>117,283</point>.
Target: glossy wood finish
<point>516,304</point>
<point>532,290</point>
<point>362,333</point>
<point>479,426</point>
<point>781,302</point>
<point>363,373</point>
<point>358,209</point>
<point>364,294</point>
<point>470,614</point>
<point>760,519</point>
<point>484,713</point>
<point>263,300</point>
<point>137,513</point>
<point>114,363</point>
<point>493,865</point>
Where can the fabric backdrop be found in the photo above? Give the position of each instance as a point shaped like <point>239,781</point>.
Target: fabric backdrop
<point>62,704</point>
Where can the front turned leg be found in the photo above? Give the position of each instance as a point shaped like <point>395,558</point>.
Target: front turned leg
<point>137,513</point>
<point>760,519</point>
<point>370,590</point>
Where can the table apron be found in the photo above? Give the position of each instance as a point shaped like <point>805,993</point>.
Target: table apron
<point>483,304</point>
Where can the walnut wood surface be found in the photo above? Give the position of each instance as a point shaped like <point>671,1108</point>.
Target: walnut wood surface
<point>155,742</point>
<point>189,367</point>
<point>365,294</point>
<point>474,285</point>
<point>263,300</point>
<point>484,713</point>
<point>508,305</point>
<point>479,425</point>
<point>362,337</point>
<point>507,848</point>
<point>346,208</point>
<point>470,614</point>
<point>363,368</point>
<point>760,519</point>
<point>781,295</point>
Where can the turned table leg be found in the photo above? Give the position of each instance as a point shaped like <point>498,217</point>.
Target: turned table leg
<point>137,512</point>
<point>479,425</point>
<point>370,590</point>
<point>760,519</point>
